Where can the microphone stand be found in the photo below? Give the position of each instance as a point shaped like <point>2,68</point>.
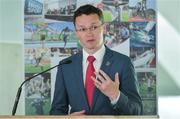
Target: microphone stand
<point>28,79</point>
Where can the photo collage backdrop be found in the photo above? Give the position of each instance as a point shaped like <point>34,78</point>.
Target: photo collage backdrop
<point>49,37</point>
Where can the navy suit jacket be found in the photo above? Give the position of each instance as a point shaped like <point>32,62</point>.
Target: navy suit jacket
<point>69,94</point>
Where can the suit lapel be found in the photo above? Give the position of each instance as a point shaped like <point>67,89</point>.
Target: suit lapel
<point>79,79</point>
<point>106,65</point>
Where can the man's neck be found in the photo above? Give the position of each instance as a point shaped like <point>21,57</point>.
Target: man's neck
<point>93,51</point>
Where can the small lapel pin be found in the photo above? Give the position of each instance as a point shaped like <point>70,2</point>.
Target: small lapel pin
<point>108,63</point>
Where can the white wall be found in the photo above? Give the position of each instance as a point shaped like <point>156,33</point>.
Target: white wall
<point>11,54</point>
<point>168,47</point>
<point>168,59</point>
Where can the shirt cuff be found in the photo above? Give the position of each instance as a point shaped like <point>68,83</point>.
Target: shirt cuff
<point>113,102</point>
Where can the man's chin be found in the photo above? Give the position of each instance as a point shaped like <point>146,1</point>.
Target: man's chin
<point>92,49</point>
<point>89,47</point>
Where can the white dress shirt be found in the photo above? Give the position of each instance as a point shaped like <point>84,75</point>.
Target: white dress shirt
<point>97,65</point>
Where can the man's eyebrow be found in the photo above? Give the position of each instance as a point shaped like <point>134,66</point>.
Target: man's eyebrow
<point>85,26</point>
<point>95,23</point>
<point>80,25</point>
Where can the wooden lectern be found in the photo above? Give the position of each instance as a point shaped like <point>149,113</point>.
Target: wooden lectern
<point>79,117</point>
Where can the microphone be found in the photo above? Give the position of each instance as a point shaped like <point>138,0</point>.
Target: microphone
<point>28,79</point>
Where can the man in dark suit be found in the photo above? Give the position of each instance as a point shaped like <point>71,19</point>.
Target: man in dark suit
<point>99,81</point>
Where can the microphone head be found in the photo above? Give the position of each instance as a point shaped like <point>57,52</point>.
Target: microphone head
<point>67,62</point>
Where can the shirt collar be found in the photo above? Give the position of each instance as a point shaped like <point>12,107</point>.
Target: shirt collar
<point>98,54</point>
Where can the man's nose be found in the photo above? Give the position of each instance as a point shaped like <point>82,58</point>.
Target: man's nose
<point>89,30</point>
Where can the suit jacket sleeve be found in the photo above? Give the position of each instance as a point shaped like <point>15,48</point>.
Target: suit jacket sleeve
<point>129,102</point>
<point>60,101</point>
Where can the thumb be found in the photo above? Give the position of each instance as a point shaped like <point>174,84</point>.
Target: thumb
<point>117,77</point>
<point>82,111</point>
<point>78,113</point>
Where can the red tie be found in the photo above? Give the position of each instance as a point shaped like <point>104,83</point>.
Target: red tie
<point>89,83</point>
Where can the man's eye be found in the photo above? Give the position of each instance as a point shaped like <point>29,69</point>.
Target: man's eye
<point>94,27</point>
<point>82,29</point>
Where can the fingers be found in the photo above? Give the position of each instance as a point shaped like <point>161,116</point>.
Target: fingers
<point>100,78</point>
<point>106,77</point>
<point>78,113</point>
<point>96,82</point>
<point>103,79</point>
<point>81,112</point>
<point>117,77</point>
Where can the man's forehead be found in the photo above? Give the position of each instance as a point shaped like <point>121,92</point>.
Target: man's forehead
<point>83,19</point>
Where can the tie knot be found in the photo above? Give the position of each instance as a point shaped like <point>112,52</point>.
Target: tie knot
<point>91,59</point>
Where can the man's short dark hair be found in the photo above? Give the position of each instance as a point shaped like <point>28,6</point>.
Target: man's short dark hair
<point>87,10</point>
